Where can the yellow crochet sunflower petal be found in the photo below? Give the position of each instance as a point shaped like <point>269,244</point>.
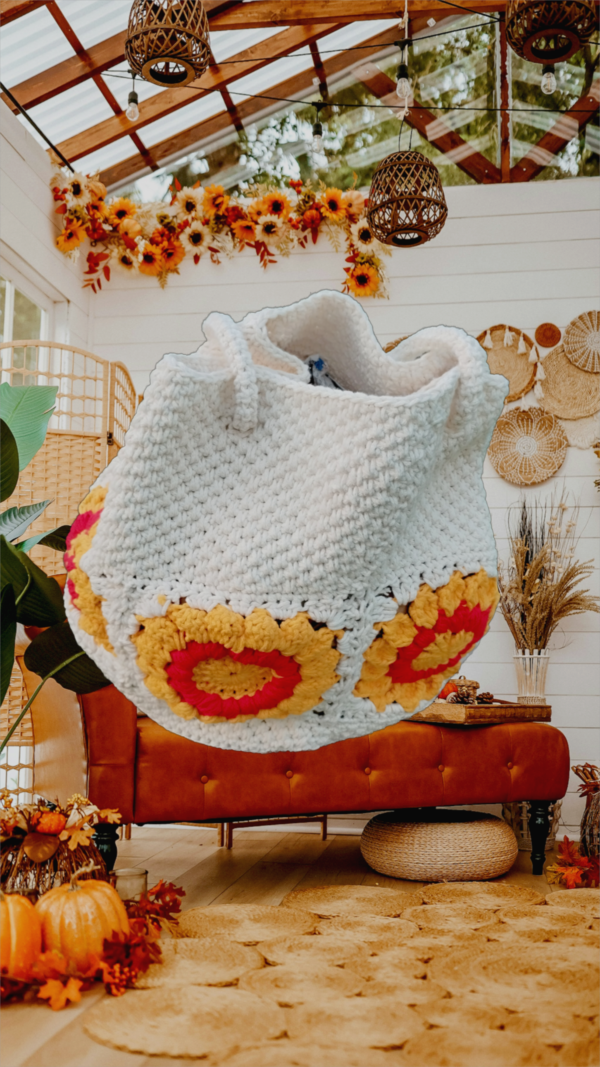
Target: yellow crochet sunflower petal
<point>425,608</point>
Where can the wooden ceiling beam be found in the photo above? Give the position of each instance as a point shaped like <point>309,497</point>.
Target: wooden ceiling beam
<point>569,125</point>
<point>262,13</point>
<point>420,119</point>
<point>14,9</point>
<point>77,68</point>
<point>164,103</point>
<point>292,87</point>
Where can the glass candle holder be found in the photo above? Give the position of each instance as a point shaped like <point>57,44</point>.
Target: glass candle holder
<point>130,882</point>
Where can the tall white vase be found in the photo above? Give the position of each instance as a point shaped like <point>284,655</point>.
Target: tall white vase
<point>531,668</point>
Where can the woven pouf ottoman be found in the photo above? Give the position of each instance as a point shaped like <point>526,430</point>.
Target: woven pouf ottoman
<point>431,845</point>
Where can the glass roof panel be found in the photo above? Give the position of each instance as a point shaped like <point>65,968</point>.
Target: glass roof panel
<point>263,79</point>
<point>180,120</point>
<point>226,43</point>
<point>96,20</point>
<point>73,111</point>
<point>105,157</point>
<point>31,44</point>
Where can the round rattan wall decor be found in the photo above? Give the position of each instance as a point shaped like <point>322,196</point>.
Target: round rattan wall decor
<point>167,41</point>
<point>544,31</point>
<point>582,341</point>
<point>506,359</point>
<point>527,447</point>
<point>406,204</point>
<point>547,335</point>
<point>569,392</point>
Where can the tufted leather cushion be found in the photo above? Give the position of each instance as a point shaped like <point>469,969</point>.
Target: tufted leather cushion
<point>153,775</point>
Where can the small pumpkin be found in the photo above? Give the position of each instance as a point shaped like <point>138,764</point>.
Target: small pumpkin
<point>20,935</point>
<point>51,822</point>
<point>76,918</point>
<point>450,687</point>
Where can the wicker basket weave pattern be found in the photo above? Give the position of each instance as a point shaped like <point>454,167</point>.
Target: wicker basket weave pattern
<point>450,846</point>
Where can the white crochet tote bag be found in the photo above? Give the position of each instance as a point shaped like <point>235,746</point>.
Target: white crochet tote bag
<point>272,565</point>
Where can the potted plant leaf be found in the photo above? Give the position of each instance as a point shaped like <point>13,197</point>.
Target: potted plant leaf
<point>28,595</point>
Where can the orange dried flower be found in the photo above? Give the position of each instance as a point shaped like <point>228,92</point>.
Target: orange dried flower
<point>363,280</point>
<point>332,204</point>
<point>215,200</point>
<point>72,235</point>
<point>244,230</point>
<point>120,210</point>
<point>151,259</point>
<point>276,204</point>
<point>172,253</point>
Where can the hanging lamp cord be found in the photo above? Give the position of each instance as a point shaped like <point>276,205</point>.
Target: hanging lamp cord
<point>10,96</point>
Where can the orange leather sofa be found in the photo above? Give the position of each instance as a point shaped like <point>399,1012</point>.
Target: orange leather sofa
<point>100,745</point>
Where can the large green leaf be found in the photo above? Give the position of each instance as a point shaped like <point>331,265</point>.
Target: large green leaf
<point>55,645</point>
<point>39,598</point>
<point>9,466</point>
<point>14,521</point>
<point>8,632</point>
<point>56,539</point>
<point>27,410</point>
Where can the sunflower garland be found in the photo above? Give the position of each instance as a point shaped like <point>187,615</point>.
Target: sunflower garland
<point>155,238</point>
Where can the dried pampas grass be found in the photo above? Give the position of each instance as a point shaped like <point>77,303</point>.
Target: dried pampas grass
<point>539,587</point>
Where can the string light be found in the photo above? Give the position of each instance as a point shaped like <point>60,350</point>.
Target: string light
<point>133,111</point>
<point>548,79</point>
<point>403,86</point>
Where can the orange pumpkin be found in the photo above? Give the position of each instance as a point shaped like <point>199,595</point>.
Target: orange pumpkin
<point>51,822</point>
<point>20,935</point>
<point>77,917</point>
<point>450,687</point>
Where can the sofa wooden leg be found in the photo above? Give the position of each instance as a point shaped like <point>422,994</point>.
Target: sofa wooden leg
<point>324,828</point>
<point>128,832</point>
<point>221,834</point>
<point>539,825</point>
<point>229,835</point>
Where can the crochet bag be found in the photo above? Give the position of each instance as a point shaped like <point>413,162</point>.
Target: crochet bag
<point>270,564</point>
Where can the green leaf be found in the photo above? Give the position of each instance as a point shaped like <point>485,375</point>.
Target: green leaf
<point>14,521</point>
<point>55,645</point>
<point>38,598</point>
<point>56,539</point>
<point>27,410</point>
<point>10,461</point>
<point>8,633</point>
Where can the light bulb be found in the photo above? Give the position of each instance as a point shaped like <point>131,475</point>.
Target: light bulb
<point>317,141</point>
<point>548,79</point>
<point>403,86</point>
<point>133,111</point>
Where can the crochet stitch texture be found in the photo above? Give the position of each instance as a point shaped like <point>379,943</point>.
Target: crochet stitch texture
<point>270,565</point>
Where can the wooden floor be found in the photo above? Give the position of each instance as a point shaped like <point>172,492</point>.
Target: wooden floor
<point>260,869</point>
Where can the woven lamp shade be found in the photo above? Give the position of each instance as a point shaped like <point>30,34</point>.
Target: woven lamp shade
<point>527,447</point>
<point>406,204</point>
<point>544,31</point>
<point>167,40</point>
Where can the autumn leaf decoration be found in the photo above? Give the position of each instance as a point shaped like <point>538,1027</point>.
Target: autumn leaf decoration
<point>572,870</point>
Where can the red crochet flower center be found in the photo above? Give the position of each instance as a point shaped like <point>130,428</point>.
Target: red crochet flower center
<point>82,523</point>
<point>473,620</point>
<point>181,678</point>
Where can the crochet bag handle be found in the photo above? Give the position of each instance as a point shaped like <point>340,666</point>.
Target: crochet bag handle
<point>225,335</point>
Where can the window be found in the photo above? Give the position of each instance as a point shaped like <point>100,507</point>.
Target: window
<point>21,319</point>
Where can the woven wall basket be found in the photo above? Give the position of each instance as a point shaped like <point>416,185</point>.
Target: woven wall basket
<point>439,846</point>
<point>507,360</point>
<point>527,447</point>
<point>547,335</point>
<point>582,433</point>
<point>582,341</point>
<point>569,392</point>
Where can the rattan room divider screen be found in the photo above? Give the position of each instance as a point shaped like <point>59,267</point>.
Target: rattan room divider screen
<point>94,406</point>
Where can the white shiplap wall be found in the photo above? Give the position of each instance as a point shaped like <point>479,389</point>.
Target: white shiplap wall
<point>519,254</point>
<point>28,228</point>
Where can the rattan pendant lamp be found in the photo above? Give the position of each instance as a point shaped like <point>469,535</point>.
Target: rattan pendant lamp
<point>167,41</point>
<point>547,31</point>
<point>406,203</point>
